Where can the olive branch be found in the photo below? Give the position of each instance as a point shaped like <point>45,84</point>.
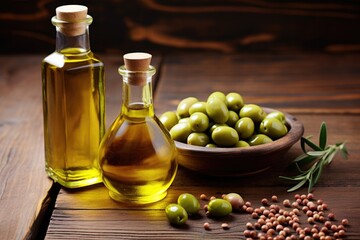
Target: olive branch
<point>320,156</point>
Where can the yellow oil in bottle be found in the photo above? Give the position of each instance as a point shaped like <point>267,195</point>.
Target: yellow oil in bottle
<point>74,110</point>
<point>137,157</point>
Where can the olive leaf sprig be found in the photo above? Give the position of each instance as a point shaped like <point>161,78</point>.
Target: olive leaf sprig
<point>320,156</point>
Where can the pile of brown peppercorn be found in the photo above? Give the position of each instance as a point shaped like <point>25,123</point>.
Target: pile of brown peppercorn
<point>282,222</point>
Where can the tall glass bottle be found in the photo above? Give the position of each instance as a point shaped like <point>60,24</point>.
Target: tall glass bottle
<point>73,101</point>
<point>137,154</point>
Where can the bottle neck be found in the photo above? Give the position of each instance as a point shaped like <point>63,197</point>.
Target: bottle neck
<point>137,100</point>
<point>72,44</point>
<point>72,37</point>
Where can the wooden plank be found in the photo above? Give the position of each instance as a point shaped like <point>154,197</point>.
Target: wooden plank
<point>221,26</point>
<point>90,213</point>
<point>304,83</point>
<point>24,185</point>
<point>149,222</point>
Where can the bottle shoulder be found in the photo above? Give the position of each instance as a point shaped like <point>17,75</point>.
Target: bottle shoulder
<point>60,60</point>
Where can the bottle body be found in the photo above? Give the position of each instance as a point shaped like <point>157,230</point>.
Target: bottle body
<point>137,156</point>
<point>74,116</point>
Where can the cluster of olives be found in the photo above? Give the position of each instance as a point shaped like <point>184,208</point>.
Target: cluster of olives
<point>223,121</point>
<point>187,204</point>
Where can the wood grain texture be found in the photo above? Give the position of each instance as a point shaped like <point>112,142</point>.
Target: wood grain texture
<point>302,83</point>
<point>207,25</point>
<point>23,185</point>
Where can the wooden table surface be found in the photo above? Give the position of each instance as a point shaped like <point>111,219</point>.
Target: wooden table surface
<point>312,87</point>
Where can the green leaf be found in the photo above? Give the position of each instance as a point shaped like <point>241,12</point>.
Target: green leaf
<point>322,135</point>
<point>311,144</point>
<point>316,153</point>
<point>297,186</point>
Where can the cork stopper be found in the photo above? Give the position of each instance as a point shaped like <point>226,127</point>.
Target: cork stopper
<point>137,62</point>
<point>74,16</point>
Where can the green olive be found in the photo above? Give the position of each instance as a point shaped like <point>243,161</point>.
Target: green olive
<point>278,115</point>
<point>253,111</point>
<point>233,118</point>
<point>176,214</point>
<point>212,128</point>
<point>199,122</point>
<point>218,95</point>
<point>234,101</point>
<point>184,120</point>
<point>198,139</point>
<point>219,208</point>
<point>245,127</point>
<point>180,132</point>
<point>217,110</point>
<point>211,145</point>
<point>225,136</point>
<point>273,128</point>
<point>184,106</point>
<point>169,119</point>
<point>189,203</point>
<point>198,107</point>
<point>259,139</point>
<point>242,143</point>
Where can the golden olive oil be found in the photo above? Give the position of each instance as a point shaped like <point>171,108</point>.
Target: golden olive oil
<point>74,105</point>
<point>137,157</point>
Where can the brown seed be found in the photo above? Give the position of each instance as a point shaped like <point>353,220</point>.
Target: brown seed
<point>327,224</point>
<point>212,198</point>
<point>342,233</point>
<point>311,220</point>
<point>249,226</point>
<point>249,210</point>
<point>274,198</point>
<point>248,204</point>
<point>295,205</point>
<point>206,207</point>
<point>203,196</point>
<point>331,216</point>
<point>334,228</point>
<point>297,196</point>
<point>225,226</point>
<point>303,196</point>
<point>247,233</point>
<point>286,203</point>
<point>310,196</point>
<point>264,201</point>
<point>254,215</point>
<point>345,222</point>
<point>319,201</point>
<point>324,206</point>
<point>207,226</point>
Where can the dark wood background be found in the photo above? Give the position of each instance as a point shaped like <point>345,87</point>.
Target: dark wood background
<point>185,25</point>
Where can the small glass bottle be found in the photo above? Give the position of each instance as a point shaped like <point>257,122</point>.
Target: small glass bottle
<point>137,154</point>
<point>73,101</point>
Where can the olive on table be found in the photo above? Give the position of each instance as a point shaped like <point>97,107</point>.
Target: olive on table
<point>235,199</point>
<point>217,110</point>
<point>199,122</point>
<point>219,208</point>
<point>198,139</point>
<point>176,214</point>
<point>234,101</point>
<point>253,111</point>
<point>180,132</point>
<point>245,127</point>
<point>225,136</point>
<point>233,118</point>
<point>259,139</point>
<point>169,119</point>
<point>189,203</point>
<point>273,128</point>
<point>198,107</point>
<point>184,106</point>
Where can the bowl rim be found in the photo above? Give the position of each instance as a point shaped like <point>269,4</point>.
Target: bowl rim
<point>292,136</point>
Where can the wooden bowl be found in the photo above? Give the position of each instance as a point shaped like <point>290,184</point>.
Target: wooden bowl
<point>240,161</point>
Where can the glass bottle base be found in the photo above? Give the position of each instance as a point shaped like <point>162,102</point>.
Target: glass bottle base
<point>137,199</point>
<point>74,180</point>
